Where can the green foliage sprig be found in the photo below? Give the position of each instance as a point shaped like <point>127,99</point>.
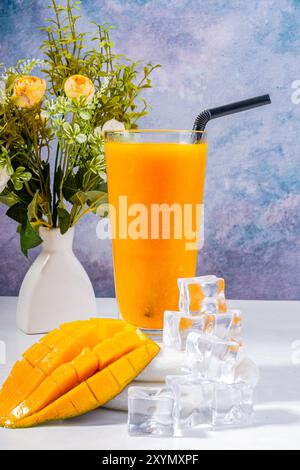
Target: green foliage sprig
<point>56,189</point>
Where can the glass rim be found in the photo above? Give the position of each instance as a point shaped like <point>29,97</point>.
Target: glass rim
<point>155,131</point>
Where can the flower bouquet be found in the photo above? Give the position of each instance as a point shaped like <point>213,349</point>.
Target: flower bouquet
<point>52,165</point>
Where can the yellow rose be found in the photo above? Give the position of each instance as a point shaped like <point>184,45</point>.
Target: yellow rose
<point>29,91</point>
<point>78,86</point>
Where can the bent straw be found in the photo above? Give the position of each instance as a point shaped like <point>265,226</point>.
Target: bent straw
<point>203,118</point>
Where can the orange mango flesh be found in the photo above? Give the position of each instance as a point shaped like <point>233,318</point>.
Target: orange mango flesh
<point>33,380</point>
<point>85,364</point>
<point>66,376</point>
<point>36,353</point>
<point>20,370</point>
<point>42,357</point>
<point>55,345</point>
<point>73,370</point>
<point>84,333</point>
<point>53,338</point>
<point>63,352</point>
<point>97,390</point>
<point>83,399</point>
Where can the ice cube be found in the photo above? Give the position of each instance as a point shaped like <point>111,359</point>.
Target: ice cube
<point>210,357</point>
<point>193,407</point>
<point>204,294</point>
<point>233,404</point>
<point>247,372</point>
<point>207,404</point>
<point>224,325</point>
<point>178,325</point>
<point>150,411</point>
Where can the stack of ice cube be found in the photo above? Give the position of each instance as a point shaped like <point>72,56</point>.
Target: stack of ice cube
<point>202,294</point>
<point>216,389</point>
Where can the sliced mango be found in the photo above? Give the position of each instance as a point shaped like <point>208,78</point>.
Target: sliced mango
<point>24,390</point>
<point>107,352</point>
<point>44,394</point>
<point>53,338</point>
<point>65,377</point>
<point>31,382</point>
<point>23,423</point>
<point>65,350</point>
<point>110,327</point>
<point>72,370</point>
<point>36,353</point>
<point>44,357</point>
<point>97,390</point>
<point>85,333</point>
<point>122,371</point>
<point>103,385</point>
<point>58,383</point>
<point>139,357</point>
<point>82,398</point>
<point>85,364</point>
<point>129,339</point>
<point>20,370</point>
<point>60,409</point>
<point>121,343</point>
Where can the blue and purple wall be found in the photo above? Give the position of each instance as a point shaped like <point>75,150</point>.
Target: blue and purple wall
<point>212,52</point>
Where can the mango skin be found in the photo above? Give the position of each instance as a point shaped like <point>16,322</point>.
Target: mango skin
<point>80,367</point>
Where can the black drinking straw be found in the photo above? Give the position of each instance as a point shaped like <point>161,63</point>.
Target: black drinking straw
<point>203,118</point>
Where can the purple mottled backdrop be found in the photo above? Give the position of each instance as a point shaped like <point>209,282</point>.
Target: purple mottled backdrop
<point>212,52</point>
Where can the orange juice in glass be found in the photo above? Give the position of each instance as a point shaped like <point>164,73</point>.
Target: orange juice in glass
<point>155,188</point>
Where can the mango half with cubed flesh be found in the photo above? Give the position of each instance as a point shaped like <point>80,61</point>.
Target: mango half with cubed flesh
<point>72,370</point>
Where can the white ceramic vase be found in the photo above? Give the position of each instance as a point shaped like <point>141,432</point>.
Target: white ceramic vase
<point>56,289</point>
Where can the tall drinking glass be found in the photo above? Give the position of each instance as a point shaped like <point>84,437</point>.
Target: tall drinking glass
<point>155,189</point>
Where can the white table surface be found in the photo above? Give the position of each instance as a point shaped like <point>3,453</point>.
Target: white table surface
<point>270,332</point>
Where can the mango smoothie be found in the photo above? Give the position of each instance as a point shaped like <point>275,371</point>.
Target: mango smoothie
<point>155,192</point>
